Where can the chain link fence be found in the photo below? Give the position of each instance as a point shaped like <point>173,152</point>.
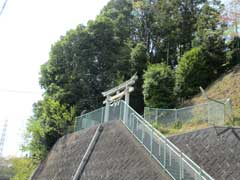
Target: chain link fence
<point>98,116</point>
<point>212,112</point>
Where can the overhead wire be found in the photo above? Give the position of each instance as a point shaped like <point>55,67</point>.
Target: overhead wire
<point>3,7</point>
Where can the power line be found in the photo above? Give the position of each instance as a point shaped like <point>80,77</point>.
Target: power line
<point>4,5</point>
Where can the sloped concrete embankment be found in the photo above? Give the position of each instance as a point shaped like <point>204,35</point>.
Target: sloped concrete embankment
<point>65,156</point>
<point>117,155</point>
<point>216,150</point>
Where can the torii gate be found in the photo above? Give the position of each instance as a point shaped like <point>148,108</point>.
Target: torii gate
<point>117,93</point>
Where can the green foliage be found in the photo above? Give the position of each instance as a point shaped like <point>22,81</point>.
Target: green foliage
<point>84,63</point>
<point>120,12</point>
<point>158,86</point>
<point>209,36</point>
<point>23,168</point>
<point>174,27</point>
<point>139,60</point>
<point>235,120</point>
<point>192,72</point>
<point>50,121</point>
<point>233,55</point>
<point>177,125</point>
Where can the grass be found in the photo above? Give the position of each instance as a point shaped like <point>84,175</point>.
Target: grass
<point>179,128</point>
<point>227,86</point>
<point>235,119</point>
<point>193,125</point>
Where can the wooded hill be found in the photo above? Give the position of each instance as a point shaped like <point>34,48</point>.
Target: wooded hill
<point>174,46</point>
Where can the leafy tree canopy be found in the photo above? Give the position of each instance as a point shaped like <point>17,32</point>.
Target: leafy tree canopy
<point>158,86</point>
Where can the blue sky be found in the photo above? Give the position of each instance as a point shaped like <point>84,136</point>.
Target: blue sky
<point>27,30</point>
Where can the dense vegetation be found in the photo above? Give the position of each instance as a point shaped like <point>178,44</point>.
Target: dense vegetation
<point>159,86</point>
<point>174,46</point>
<point>16,168</point>
<point>22,168</point>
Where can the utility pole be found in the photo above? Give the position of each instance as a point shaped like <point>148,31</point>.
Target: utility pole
<point>3,137</point>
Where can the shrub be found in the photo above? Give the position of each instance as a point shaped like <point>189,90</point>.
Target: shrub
<point>193,70</point>
<point>233,55</point>
<point>158,86</point>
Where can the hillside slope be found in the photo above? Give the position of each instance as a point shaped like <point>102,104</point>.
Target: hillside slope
<point>227,86</point>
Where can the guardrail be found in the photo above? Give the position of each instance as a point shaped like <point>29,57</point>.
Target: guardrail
<point>172,159</point>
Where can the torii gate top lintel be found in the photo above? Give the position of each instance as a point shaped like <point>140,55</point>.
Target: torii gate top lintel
<point>117,93</point>
<point>122,86</point>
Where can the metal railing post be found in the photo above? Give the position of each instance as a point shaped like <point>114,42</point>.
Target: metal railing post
<point>156,115</point>
<point>176,115</point>
<point>106,116</point>
<point>208,112</point>
<point>224,111</point>
<point>102,115</point>
<point>120,111</point>
<point>200,173</point>
<point>181,167</point>
<point>151,140</point>
<point>164,154</point>
<point>125,113</point>
<point>131,121</point>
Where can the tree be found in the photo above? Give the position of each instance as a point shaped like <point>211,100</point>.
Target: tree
<point>193,71</point>
<point>51,120</point>
<point>173,28</point>
<point>139,60</point>
<point>209,36</point>
<point>84,63</point>
<point>233,54</point>
<point>120,12</point>
<point>158,86</point>
<point>143,19</point>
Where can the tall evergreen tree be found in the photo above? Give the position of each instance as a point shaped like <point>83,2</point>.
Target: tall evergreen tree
<point>209,35</point>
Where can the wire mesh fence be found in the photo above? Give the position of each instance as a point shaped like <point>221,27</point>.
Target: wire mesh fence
<point>98,116</point>
<point>210,112</point>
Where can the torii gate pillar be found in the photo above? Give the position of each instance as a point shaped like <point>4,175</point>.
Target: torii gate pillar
<point>127,95</point>
<point>117,93</point>
<point>106,113</point>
